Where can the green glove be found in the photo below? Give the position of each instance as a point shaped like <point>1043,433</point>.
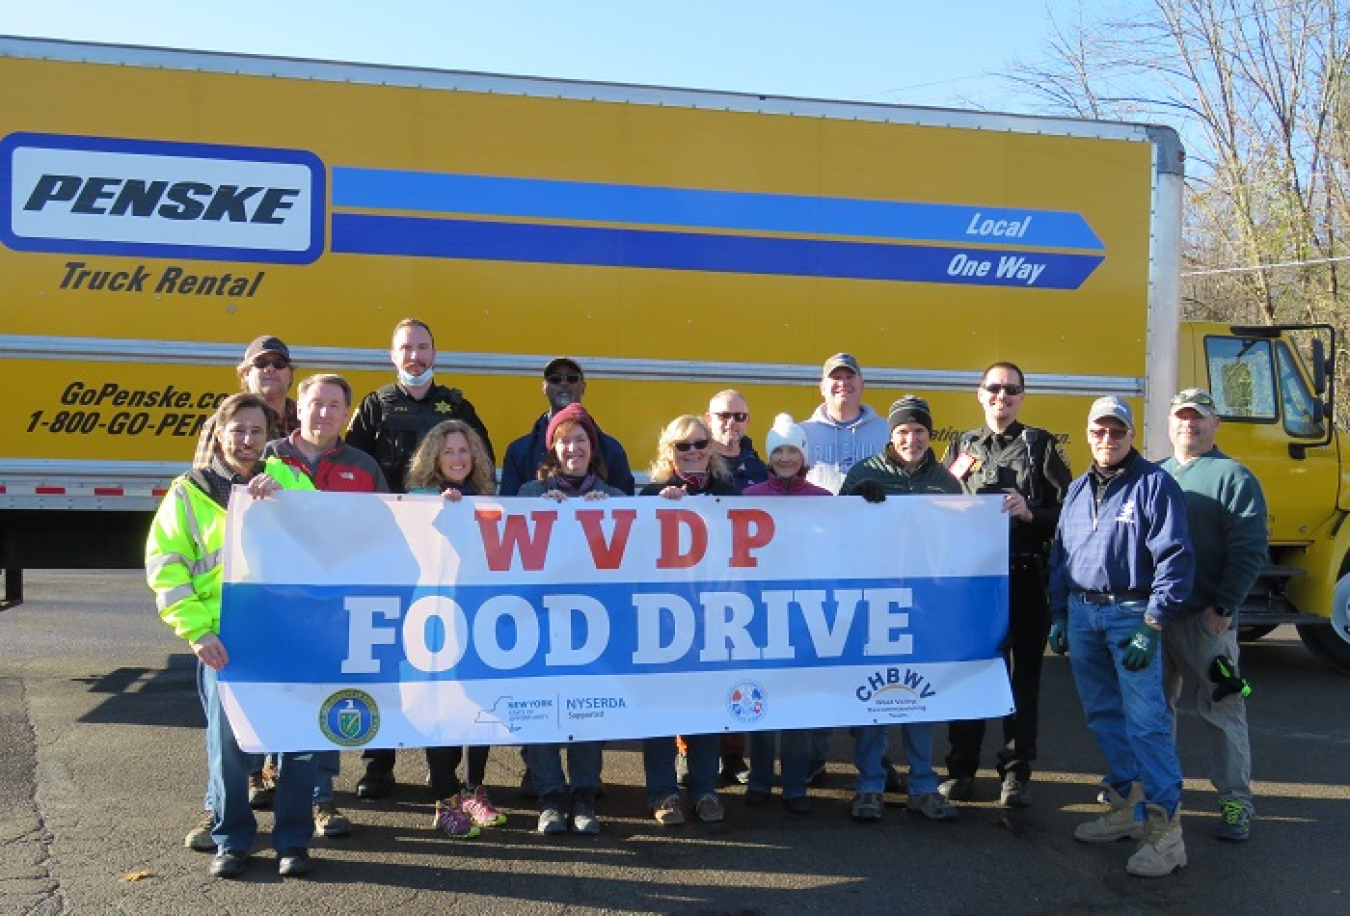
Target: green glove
<point>1140,647</point>
<point>1059,636</point>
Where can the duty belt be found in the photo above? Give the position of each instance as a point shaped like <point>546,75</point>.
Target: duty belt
<point>1112,597</point>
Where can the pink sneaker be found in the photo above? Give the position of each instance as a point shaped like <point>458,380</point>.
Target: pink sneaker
<point>480,809</point>
<point>452,820</point>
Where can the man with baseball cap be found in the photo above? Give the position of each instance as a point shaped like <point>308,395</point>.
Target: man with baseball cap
<point>1121,566</point>
<point>266,370</point>
<point>1226,514</point>
<point>564,383</point>
<point>843,430</point>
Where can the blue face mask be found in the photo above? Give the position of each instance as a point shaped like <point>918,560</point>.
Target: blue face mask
<point>416,381</point>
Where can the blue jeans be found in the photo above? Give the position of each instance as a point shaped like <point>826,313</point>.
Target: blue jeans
<point>658,764</point>
<point>869,746</point>
<point>235,826</point>
<point>797,745</point>
<point>327,765</point>
<point>1126,710</point>
<point>583,766</point>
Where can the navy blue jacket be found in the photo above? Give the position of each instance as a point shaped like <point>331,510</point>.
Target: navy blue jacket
<point>1136,540</point>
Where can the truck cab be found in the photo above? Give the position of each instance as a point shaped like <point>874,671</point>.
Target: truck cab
<point>1274,388</point>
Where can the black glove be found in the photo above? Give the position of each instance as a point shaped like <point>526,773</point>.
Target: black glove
<point>871,491</point>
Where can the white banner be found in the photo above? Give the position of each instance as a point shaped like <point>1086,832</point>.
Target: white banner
<point>360,620</point>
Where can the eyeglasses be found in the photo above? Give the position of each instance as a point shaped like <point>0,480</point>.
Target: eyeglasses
<point>558,378</point>
<point>739,416</point>
<point>1114,432</point>
<point>1007,389</point>
<point>277,364</point>
<point>697,445</point>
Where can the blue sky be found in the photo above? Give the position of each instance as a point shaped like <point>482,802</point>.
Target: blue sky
<point>898,51</point>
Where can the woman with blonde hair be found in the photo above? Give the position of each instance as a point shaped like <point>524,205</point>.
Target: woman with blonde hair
<point>685,465</point>
<point>451,460</point>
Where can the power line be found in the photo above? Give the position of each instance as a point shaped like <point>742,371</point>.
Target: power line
<point>1211,271</point>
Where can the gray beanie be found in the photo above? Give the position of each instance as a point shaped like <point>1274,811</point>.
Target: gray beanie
<point>910,409</point>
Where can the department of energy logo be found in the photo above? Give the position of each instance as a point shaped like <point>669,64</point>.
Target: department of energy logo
<point>747,701</point>
<point>349,718</point>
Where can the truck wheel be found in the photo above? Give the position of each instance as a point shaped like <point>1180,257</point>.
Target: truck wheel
<point>1252,634</point>
<point>1331,644</point>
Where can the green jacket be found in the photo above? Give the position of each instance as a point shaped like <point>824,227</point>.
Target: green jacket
<point>929,477</point>
<point>184,553</point>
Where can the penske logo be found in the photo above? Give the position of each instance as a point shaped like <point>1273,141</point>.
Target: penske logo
<point>156,198</point>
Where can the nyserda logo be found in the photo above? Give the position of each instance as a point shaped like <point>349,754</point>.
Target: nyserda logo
<point>154,198</point>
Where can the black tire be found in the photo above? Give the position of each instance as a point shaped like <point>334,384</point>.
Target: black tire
<point>1327,646</point>
<point>1253,633</point>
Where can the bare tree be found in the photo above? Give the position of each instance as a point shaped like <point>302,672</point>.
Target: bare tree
<point>1258,91</point>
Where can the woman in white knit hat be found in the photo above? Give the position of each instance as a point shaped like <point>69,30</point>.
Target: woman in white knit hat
<point>786,448</point>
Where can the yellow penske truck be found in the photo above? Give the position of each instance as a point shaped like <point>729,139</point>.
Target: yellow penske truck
<point>162,208</point>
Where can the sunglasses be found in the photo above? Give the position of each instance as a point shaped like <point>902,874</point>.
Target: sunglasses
<point>558,378</point>
<point>1114,432</point>
<point>1007,389</point>
<point>271,364</point>
<point>738,415</point>
<point>697,445</point>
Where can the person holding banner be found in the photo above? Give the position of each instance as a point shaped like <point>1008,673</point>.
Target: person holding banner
<point>183,567</point>
<point>786,446</point>
<point>1029,469</point>
<point>453,462</point>
<point>573,468</point>
<point>905,466</point>
<point>685,465</point>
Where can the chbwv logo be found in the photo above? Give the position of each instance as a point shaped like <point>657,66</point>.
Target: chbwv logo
<point>155,198</point>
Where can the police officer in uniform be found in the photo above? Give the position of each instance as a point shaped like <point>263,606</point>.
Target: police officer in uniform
<point>1027,465</point>
<point>388,426</point>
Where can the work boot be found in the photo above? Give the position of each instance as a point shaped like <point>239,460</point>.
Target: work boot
<point>1162,850</point>
<point>1117,822</point>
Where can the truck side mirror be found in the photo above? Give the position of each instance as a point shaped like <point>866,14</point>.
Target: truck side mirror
<point>1319,366</point>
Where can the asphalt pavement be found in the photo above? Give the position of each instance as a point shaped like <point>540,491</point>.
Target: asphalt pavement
<point>102,769</point>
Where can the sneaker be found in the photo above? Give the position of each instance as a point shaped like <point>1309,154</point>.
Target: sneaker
<point>199,837</point>
<point>375,784</point>
<point>1162,850</point>
<point>293,863</point>
<point>754,797</point>
<point>867,806</point>
<point>958,788</point>
<point>800,804</point>
<point>584,818</point>
<point>932,806</point>
<point>1235,825</point>
<point>709,809</point>
<point>228,864</point>
<point>551,819</point>
<point>329,821</point>
<point>1117,822</point>
<point>477,805</point>
<point>682,771</point>
<point>451,819</point>
<point>262,787</point>
<point>669,813</point>
<point>1015,793</point>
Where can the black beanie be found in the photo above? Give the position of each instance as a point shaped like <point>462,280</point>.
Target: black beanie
<point>910,409</point>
